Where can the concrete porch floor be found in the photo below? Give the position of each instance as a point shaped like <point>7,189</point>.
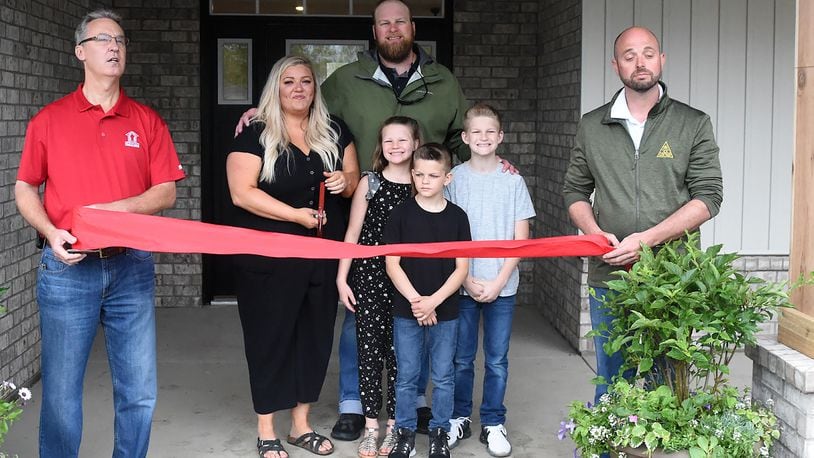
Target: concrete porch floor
<point>204,406</point>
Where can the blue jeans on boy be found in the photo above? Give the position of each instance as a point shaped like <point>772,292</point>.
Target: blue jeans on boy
<point>117,292</point>
<point>497,329</point>
<point>413,342</point>
<point>606,365</point>
<point>349,399</point>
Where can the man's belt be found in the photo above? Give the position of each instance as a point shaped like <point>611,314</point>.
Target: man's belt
<point>102,253</point>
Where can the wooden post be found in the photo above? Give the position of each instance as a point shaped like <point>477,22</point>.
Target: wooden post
<point>796,327</point>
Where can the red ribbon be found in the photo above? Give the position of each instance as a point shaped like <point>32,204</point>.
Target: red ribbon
<point>96,228</point>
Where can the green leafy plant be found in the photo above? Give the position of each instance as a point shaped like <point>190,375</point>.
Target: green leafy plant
<point>722,425</point>
<point>12,401</point>
<point>680,316</point>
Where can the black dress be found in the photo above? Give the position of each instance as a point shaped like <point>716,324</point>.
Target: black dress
<point>374,300</point>
<point>288,306</point>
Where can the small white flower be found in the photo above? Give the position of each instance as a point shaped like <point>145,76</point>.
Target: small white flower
<point>604,398</point>
<point>9,386</point>
<point>736,435</point>
<point>718,433</point>
<point>25,394</point>
<point>764,451</point>
<point>770,402</point>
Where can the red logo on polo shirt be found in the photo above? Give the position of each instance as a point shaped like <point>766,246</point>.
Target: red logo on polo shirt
<point>131,140</point>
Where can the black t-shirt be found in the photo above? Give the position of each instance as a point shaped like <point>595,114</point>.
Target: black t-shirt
<point>296,183</point>
<point>409,223</point>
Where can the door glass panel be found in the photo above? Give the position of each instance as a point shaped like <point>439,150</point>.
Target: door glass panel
<point>328,7</point>
<point>420,8</point>
<point>426,8</point>
<point>326,55</point>
<point>287,7</point>
<point>233,6</point>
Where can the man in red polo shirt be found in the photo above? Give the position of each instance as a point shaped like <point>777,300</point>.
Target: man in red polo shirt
<point>96,147</point>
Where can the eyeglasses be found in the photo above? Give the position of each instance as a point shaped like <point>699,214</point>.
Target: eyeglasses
<point>415,96</point>
<point>104,38</point>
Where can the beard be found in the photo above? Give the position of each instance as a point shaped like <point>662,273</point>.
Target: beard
<point>397,51</point>
<point>641,85</point>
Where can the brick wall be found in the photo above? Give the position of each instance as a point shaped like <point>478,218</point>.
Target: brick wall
<point>786,377</point>
<point>163,71</point>
<point>557,281</point>
<point>495,60</point>
<point>37,66</point>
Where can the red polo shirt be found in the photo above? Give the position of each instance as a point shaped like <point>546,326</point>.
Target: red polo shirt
<point>86,156</point>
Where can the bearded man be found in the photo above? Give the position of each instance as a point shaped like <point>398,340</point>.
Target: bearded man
<point>652,164</point>
<point>396,78</point>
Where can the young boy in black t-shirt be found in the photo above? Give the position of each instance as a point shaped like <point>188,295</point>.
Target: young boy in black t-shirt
<point>425,312</point>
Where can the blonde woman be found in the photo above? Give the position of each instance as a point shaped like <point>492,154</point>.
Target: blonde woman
<point>288,306</point>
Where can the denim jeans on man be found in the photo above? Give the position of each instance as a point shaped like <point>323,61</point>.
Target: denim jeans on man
<point>413,342</point>
<point>117,292</point>
<point>497,329</point>
<point>349,399</point>
<point>606,365</point>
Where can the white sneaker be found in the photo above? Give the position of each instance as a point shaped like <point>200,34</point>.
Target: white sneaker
<point>497,444</point>
<point>458,429</point>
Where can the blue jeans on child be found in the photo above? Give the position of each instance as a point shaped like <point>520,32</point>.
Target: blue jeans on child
<point>349,399</point>
<point>117,292</point>
<point>497,329</point>
<point>413,342</point>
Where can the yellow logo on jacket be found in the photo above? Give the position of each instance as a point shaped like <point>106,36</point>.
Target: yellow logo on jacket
<point>665,151</point>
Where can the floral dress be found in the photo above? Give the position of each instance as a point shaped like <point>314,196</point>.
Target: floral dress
<point>374,295</point>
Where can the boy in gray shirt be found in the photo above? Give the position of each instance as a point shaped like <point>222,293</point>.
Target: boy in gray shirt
<point>498,206</point>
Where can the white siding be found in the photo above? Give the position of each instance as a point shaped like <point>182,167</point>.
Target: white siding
<point>733,59</point>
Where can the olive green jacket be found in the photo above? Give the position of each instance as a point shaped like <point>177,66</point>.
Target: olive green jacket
<point>361,95</point>
<point>677,161</point>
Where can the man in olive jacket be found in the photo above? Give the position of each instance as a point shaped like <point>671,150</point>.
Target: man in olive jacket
<point>652,164</point>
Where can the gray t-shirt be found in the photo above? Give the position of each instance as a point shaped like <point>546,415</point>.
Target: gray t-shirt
<point>494,202</point>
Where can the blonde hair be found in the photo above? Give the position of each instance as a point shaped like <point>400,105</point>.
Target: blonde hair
<point>482,109</point>
<point>379,161</point>
<point>320,137</point>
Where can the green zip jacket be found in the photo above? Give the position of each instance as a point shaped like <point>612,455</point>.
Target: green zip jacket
<point>634,190</point>
<point>361,95</point>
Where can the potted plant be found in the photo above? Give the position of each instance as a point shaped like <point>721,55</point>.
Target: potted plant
<point>681,314</point>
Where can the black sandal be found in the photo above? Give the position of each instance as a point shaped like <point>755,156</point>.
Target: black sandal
<point>269,445</point>
<point>312,442</point>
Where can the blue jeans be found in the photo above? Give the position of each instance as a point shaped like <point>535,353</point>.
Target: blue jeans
<point>413,342</point>
<point>606,365</point>
<point>349,399</point>
<point>497,329</point>
<point>117,292</point>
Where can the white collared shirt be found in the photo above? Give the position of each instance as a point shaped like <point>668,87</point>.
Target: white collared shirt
<point>620,110</point>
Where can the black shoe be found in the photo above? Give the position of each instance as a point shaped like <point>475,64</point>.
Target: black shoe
<point>405,444</point>
<point>438,443</point>
<point>348,427</point>
<point>423,415</point>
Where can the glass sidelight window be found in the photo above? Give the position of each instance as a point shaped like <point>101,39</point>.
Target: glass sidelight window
<point>420,8</point>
